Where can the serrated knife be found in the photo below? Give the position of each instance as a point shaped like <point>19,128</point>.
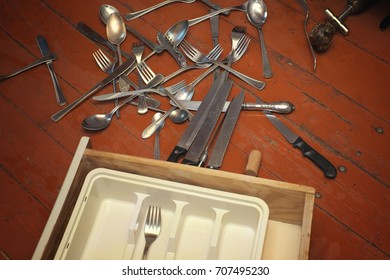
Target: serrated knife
<point>194,154</point>
<point>44,48</point>
<point>193,128</point>
<point>226,131</point>
<point>307,151</point>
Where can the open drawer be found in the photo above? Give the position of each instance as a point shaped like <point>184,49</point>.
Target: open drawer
<point>290,206</point>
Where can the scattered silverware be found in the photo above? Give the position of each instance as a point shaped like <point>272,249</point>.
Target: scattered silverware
<point>152,228</point>
<point>37,62</point>
<point>117,72</point>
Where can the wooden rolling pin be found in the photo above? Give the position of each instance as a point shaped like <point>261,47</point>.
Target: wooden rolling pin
<point>253,164</point>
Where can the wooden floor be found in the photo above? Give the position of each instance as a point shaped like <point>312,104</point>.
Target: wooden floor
<point>342,110</point>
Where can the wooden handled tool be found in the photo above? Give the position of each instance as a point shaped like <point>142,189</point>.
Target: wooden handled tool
<point>253,164</point>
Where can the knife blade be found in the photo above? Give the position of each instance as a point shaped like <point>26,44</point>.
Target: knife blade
<point>123,68</point>
<point>214,6</point>
<point>307,151</point>
<point>175,53</point>
<point>226,131</point>
<point>281,107</point>
<point>194,153</point>
<point>193,128</point>
<point>44,48</point>
<point>94,36</point>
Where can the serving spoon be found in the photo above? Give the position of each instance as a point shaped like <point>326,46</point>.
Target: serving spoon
<point>257,15</point>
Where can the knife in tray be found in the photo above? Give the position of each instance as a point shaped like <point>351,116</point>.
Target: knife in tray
<point>193,128</point>
<point>194,154</point>
<point>297,142</point>
<point>44,48</point>
<point>226,131</point>
<point>175,53</point>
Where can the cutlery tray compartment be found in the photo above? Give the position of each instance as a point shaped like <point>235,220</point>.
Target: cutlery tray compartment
<point>107,209</point>
<point>197,223</point>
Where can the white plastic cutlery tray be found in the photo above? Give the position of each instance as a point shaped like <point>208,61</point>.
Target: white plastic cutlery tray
<point>197,223</point>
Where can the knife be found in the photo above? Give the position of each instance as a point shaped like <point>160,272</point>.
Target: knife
<point>175,53</point>
<point>44,48</point>
<point>194,154</point>
<point>297,142</point>
<point>214,6</point>
<point>214,24</point>
<point>281,107</point>
<point>94,36</point>
<point>123,68</point>
<point>228,124</point>
<point>193,128</point>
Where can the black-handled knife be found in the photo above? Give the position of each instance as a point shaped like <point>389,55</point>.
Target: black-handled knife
<point>297,142</point>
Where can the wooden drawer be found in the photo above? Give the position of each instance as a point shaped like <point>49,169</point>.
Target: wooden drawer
<point>290,205</point>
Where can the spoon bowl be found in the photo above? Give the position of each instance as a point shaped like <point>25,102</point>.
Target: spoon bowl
<point>105,11</point>
<point>115,29</point>
<point>176,33</point>
<point>185,93</point>
<point>257,15</point>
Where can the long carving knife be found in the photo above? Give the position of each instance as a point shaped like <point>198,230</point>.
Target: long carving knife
<point>193,128</point>
<point>44,48</point>
<point>307,151</point>
<point>195,152</point>
<point>226,131</point>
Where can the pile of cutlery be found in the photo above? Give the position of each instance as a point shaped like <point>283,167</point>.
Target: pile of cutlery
<point>203,132</point>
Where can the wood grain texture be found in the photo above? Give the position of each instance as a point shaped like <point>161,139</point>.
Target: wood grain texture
<point>339,110</point>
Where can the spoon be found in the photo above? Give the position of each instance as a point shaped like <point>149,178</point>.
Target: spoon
<point>156,151</point>
<point>257,15</point>
<point>101,121</point>
<point>185,93</point>
<point>116,32</point>
<point>137,14</point>
<point>153,127</point>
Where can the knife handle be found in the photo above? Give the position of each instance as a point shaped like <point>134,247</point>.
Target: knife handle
<point>177,153</point>
<point>60,97</point>
<point>328,168</point>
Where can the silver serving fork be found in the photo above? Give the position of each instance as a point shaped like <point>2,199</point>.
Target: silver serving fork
<point>152,228</point>
<point>108,67</point>
<point>138,50</point>
<point>198,57</point>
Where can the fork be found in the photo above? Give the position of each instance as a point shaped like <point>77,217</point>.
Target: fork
<point>198,57</point>
<point>147,74</point>
<point>109,96</point>
<point>214,54</point>
<point>138,50</point>
<point>152,227</point>
<point>108,67</point>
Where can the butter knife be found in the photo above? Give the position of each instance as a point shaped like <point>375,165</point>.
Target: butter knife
<point>175,53</point>
<point>44,48</point>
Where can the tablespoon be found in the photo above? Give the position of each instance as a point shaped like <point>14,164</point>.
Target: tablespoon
<point>137,14</point>
<point>156,151</point>
<point>257,15</point>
